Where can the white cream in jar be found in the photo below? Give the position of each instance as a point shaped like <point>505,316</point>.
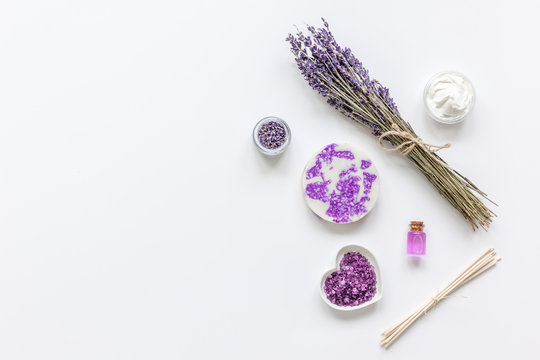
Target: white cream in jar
<point>449,97</point>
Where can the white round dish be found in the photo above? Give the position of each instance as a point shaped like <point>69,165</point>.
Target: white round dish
<point>340,183</point>
<point>371,258</point>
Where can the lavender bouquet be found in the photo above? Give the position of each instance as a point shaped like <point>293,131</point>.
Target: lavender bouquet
<point>336,74</point>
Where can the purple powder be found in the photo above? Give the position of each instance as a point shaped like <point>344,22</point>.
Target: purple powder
<point>272,135</point>
<point>354,283</point>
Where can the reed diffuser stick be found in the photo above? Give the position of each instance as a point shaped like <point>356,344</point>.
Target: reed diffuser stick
<point>483,263</point>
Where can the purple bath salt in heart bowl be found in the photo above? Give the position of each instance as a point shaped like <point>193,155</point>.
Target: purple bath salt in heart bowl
<point>340,183</point>
<point>355,282</point>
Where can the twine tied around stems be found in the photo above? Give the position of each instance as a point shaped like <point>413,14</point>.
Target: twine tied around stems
<point>410,143</point>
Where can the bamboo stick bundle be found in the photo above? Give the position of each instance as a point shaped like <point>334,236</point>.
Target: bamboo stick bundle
<point>483,263</point>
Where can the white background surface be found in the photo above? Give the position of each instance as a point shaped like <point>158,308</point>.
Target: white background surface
<point>137,220</point>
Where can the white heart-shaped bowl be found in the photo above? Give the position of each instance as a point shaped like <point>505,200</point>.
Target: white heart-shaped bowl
<point>373,261</point>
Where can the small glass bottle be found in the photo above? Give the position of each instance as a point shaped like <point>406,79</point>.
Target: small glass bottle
<point>416,239</point>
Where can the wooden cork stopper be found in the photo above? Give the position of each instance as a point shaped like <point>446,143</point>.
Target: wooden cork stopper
<point>417,225</point>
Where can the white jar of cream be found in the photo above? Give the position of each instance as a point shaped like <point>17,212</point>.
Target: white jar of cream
<point>448,97</point>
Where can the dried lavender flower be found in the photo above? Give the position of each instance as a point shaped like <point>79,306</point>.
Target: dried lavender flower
<point>272,135</point>
<point>336,74</point>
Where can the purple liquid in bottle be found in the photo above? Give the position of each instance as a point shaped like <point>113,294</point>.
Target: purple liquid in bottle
<point>416,239</point>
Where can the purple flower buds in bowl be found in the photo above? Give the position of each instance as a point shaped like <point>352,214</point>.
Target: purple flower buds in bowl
<point>271,135</point>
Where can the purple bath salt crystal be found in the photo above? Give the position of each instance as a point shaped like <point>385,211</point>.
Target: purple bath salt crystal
<point>354,283</point>
<point>344,202</point>
<point>365,164</point>
<point>272,135</point>
<point>318,190</point>
<point>368,181</point>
